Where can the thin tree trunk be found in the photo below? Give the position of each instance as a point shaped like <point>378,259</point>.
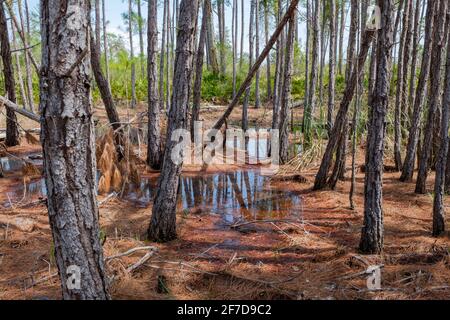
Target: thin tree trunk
<point>257,65</point>
<point>343,17</point>
<point>341,118</point>
<point>408,165</point>
<point>332,66</point>
<point>268,61</point>
<point>441,165</point>
<point>18,67</point>
<point>214,65</point>
<point>415,50</point>
<point>133,65</point>
<point>25,21</point>
<point>286,103</point>
<point>163,223</point>
<point>234,42</point>
<point>372,236</point>
<point>257,77</point>
<point>154,153</point>
<point>105,43</point>
<point>439,44</point>
<point>199,72</point>
<point>399,102</point>
<point>12,130</point>
<point>107,98</point>
<point>70,171</point>
<point>312,99</point>
<point>251,49</point>
<point>241,60</point>
<point>162,57</point>
<point>141,37</point>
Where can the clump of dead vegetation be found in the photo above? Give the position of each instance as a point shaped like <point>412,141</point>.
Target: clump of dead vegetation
<point>115,173</point>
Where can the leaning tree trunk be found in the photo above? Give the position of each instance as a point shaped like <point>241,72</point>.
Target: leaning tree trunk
<point>257,65</point>
<point>286,103</point>
<point>441,165</point>
<point>12,130</point>
<point>68,141</point>
<point>408,165</point>
<point>163,223</point>
<point>373,230</point>
<point>341,118</point>
<point>154,153</point>
<point>107,98</point>
<point>105,93</point>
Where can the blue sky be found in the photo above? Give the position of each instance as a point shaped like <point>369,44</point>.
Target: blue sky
<point>115,8</point>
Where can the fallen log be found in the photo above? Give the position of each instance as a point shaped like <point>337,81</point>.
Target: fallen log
<point>17,109</point>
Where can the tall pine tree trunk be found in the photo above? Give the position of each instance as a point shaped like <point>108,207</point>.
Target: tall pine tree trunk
<point>68,141</point>
<point>408,165</point>
<point>12,130</point>
<point>154,153</point>
<point>440,38</point>
<point>332,67</point>
<point>441,165</point>
<point>286,103</point>
<point>163,223</point>
<point>372,236</point>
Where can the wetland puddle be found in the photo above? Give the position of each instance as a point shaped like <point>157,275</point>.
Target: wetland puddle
<point>243,194</point>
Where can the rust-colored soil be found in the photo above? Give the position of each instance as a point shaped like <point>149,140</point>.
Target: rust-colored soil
<point>314,257</point>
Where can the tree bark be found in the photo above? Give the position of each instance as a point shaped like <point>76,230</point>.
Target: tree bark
<point>12,130</point>
<point>163,223</point>
<point>312,99</point>
<point>214,65</point>
<point>133,65</point>
<point>105,43</point>
<point>341,36</point>
<point>68,140</point>
<point>399,101</point>
<point>286,101</point>
<point>440,39</point>
<point>441,165</point>
<point>250,63</point>
<point>341,118</point>
<point>25,22</point>
<point>415,50</point>
<point>154,153</point>
<point>199,72</point>
<point>372,235</point>
<point>332,66</point>
<point>408,165</point>
<point>257,77</point>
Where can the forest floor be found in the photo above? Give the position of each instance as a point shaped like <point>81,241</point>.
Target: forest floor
<point>303,246</point>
